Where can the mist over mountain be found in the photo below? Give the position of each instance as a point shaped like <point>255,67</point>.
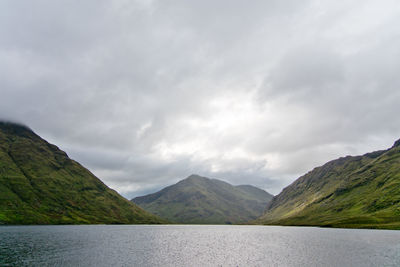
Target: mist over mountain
<point>142,92</point>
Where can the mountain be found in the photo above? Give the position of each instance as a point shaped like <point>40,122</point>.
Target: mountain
<point>200,200</point>
<point>358,192</point>
<point>40,184</point>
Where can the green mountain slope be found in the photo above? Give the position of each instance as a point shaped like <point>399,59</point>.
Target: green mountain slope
<point>40,184</point>
<point>361,192</point>
<point>202,200</point>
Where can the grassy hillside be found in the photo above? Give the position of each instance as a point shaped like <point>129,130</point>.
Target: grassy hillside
<point>202,200</point>
<point>40,184</point>
<point>360,192</point>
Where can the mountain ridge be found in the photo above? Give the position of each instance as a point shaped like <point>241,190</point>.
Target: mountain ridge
<point>40,184</point>
<point>352,191</point>
<point>198,199</point>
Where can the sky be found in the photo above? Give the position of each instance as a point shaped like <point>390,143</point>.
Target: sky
<point>147,92</point>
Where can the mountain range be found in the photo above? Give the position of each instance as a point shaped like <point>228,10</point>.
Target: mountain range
<point>201,200</point>
<point>40,184</point>
<point>358,192</point>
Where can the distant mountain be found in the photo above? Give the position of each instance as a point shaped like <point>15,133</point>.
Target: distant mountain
<point>201,200</point>
<point>40,184</point>
<point>361,192</point>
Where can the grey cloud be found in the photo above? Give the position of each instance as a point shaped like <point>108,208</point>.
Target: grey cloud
<point>308,69</point>
<point>145,93</point>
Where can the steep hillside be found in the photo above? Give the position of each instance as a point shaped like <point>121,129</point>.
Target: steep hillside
<point>40,184</point>
<point>361,191</point>
<point>202,200</point>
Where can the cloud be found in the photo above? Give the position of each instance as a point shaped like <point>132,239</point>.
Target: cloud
<point>145,93</point>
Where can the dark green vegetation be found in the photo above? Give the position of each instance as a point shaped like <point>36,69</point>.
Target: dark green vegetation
<point>354,192</point>
<point>40,184</point>
<point>202,200</point>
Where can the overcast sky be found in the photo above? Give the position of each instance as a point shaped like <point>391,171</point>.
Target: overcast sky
<point>144,93</point>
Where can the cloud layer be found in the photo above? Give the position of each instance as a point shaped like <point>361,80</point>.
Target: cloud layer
<point>145,93</point>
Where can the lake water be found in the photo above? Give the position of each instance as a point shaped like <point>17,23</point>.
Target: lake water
<point>196,245</point>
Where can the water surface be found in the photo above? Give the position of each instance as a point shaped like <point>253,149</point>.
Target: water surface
<point>196,245</point>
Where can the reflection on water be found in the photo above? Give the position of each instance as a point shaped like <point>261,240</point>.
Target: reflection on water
<point>196,245</point>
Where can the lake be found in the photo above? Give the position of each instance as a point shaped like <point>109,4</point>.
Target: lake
<point>196,245</point>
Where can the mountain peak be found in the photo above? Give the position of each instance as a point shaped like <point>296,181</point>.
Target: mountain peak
<point>341,192</point>
<point>196,177</point>
<point>40,184</point>
<point>397,143</point>
<point>15,128</point>
<point>198,199</point>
